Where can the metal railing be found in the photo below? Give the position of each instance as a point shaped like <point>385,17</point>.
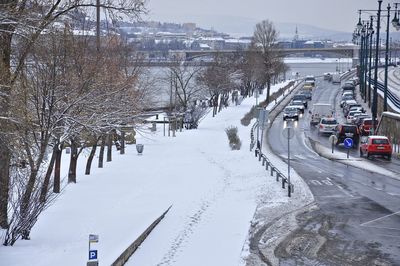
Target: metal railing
<point>278,174</point>
<point>390,95</point>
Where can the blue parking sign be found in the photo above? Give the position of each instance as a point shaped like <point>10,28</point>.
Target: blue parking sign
<point>92,254</point>
<point>348,143</point>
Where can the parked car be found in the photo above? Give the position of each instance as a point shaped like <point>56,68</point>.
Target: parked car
<point>356,116</point>
<point>345,98</point>
<point>347,102</point>
<point>350,116</point>
<point>360,119</point>
<point>290,112</point>
<point>301,97</point>
<point>348,86</point>
<point>327,125</point>
<point>357,108</point>
<point>376,145</point>
<point>298,104</point>
<point>348,93</point>
<point>348,106</point>
<point>355,81</point>
<point>366,126</point>
<point>344,131</point>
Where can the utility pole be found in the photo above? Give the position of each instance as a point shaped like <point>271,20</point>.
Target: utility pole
<point>98,25</point>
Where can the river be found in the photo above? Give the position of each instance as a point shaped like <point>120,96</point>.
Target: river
<point>301,66</point>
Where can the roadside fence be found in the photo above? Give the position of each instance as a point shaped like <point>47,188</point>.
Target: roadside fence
<point>272,169</point>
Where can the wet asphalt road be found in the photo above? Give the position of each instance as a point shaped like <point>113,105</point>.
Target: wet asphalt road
<point>356,220</point>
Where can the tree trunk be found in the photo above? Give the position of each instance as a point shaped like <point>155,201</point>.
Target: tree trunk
<point>46,182</point>
<point>5,127</point>
<point>4,183</point>
<point>28,192</point>
<point>57,169</point>
<point>268,89</point>
<point>101,154</point>
<point>109,147</point>
<point>90,159</point>
<point>73,162</point>
<point>122,150</point>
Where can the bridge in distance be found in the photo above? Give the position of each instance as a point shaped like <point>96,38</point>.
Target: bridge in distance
<point>194,57</point>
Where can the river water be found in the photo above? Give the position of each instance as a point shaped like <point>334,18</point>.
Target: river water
<point>301,66</point>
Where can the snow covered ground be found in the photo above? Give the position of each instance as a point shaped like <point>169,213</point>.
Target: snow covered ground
<point>214,193</point>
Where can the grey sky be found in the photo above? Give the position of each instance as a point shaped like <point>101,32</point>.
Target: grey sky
<point>338,15</point>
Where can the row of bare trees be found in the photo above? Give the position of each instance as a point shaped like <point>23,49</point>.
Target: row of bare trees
<point>244,71</point>
<point>56,89</point>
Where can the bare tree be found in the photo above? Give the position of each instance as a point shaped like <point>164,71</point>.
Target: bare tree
<point>181,77</point>
<point>218,80</point>
<point>264,39</point>
<point>21,25</point>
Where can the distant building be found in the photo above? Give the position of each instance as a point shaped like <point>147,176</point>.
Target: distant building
<point>285,44</point>
<point>189,27</point>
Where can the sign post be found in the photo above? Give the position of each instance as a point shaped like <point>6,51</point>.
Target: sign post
<point>348,144</point>
<point>288,133</point>
<point>93,258</point>
<point>333,140</point>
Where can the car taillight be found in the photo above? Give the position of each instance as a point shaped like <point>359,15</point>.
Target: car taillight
<point>321,126</point>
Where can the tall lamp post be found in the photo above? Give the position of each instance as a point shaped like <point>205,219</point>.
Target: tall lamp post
<point>386,60</point>
<point>371,32</point>
<point>375,99</point>
<point>365,34</point>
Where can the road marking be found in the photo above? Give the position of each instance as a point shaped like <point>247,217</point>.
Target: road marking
<point>383,217</point>
<point>327,182</point>
<point>316,182</point>
<point>344,191</point>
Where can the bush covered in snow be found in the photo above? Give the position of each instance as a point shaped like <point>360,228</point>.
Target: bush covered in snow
<point>234,141</point>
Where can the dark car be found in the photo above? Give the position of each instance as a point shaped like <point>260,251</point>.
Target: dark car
<point>290,112</point>
<point>301,97</point>
<point>344,131</point>
<point>307,93</point>
<point>348,86</point>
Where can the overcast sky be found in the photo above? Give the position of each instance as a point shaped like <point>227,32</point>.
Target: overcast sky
<point>338,15</point>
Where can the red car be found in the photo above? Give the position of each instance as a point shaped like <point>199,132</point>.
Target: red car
<point>366,126</point>
<point>376,145</point>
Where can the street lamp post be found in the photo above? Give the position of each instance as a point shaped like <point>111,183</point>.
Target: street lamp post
<point>365,62</point>
<point>371,32</point>
<point>375,99</point>
<point>386,60</point>
<point>396,24</point>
